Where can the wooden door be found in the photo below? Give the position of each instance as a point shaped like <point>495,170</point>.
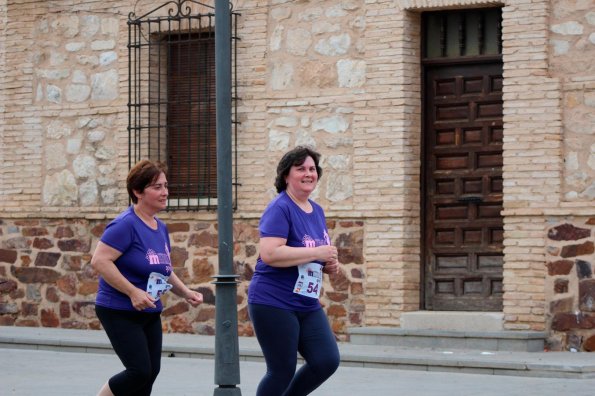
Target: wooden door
<point>463,227</point>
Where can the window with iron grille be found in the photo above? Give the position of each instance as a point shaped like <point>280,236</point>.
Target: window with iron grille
<point>172,99</point>
<point>462,34</point>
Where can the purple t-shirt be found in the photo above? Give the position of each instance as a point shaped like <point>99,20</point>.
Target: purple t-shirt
<point>284,219</point>
<point>143,249</point>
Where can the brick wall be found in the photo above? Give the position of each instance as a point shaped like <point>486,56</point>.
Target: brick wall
<point>343,75</point>
<point>532,160</point>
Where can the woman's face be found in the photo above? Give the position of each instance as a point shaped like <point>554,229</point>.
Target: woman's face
<point>302,179</point>
<point>154,197</point>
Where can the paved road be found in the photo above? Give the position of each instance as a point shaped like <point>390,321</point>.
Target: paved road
<point>38,372</point>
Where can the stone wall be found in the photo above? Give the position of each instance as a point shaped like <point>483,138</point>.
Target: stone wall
<point>569,238</point>
<point>46,278</point>
<point>571,54</point>
<point>570,285</point>
<point>65,86</point>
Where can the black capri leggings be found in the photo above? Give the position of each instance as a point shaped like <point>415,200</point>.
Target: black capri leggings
<point>281,335</point>
<point>136,338</point>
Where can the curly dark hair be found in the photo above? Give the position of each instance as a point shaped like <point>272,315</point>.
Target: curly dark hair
<point>295,157</point>
<point>142,174</point>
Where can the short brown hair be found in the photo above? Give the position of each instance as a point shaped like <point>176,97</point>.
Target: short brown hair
<point>297,156</point>
<point>142,174</point>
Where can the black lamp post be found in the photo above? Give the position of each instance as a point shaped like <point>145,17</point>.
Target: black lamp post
<point>227,366</point>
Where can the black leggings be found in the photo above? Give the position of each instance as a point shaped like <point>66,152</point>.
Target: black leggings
<point>136,338</point>
<point>281,334</point>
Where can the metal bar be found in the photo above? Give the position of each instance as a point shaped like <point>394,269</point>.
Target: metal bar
<point>443,35</point>
<point>480,33</point>
<point>200,79</point>
<point>159,90</point>
<point>181,46</point>
<point>203,120</point>
<point>149,90</point>
<point>178,5</point>
<point>133,96</point>
<point>129,97</point>
<point>462,25</point>
<point>500,32</point>
<point>173,161</point>
<point>227,367</point>
<point>209,126</point>
<point>138,97</point>
<point>235,110</point>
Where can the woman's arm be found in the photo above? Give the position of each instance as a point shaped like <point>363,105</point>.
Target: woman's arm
<point>180,289</point>
<point>276,253</point>
<point>103,262</point>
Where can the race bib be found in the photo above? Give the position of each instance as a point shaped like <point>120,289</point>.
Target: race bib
<point>157,285</point>
<point>309,281</point>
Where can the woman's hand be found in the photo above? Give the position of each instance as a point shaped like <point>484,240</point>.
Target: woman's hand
<point>141,300</point>
<point>331,267</point>
<point>194,298</point>
<point>330,257</point>
<point>327,253</point>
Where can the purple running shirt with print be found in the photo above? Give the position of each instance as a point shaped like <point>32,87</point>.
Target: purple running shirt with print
<point>143,249</point>
<point>284,219</point>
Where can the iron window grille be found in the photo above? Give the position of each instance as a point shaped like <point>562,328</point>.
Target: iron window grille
<point>462,34</point>
<point>171,99</point>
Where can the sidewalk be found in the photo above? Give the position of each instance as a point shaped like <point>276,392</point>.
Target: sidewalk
<point>528,364</point>
<point>58,362</point>
<point>53,373</point>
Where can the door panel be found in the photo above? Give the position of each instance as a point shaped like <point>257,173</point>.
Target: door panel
<point>463,227</point>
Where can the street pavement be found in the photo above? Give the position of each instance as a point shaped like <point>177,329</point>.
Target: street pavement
<point>30,372</point>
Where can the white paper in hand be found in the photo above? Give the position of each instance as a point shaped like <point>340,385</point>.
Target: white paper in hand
<point>157,285</point>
